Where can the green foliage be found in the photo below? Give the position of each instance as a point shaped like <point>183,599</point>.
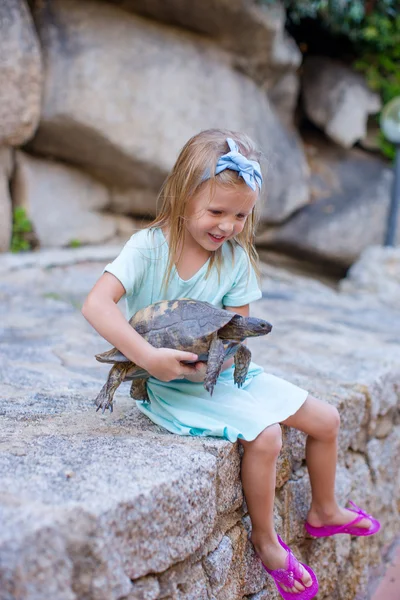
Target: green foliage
<point>357,19</point>
<point>372,27</point>
<point>379,43</point>
<point>75,244</point>
<point>387,148</point>
<point>380,55</point>
<point>21,227</point>
<point>340,16</point>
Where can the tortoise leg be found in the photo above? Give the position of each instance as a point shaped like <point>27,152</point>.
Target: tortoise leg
<point>139,390</point>
<point>115,377</point>
<point>216,357</point>
<point>242,362</point>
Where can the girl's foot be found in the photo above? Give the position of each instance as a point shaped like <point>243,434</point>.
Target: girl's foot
<point>338,522</point>
<point>340,516</point>
<point>274,557</point>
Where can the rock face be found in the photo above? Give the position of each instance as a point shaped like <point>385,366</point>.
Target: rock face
<point>138,91</point>
<point>112,90</point>
<point>284,95</point>
<point>20,73</point>
<point>352,194</point>
<point>252,32</point>
<point>62,203</point>
<point>376,273</point>
<point>338,100</point>
<point>106,507</point>
<point>124,84</point>
<point>5,199</point>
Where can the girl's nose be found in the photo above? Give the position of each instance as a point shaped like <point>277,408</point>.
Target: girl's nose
<point>226,227</point>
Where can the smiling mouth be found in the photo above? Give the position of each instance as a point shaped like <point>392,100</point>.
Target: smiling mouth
<point>216,239</point>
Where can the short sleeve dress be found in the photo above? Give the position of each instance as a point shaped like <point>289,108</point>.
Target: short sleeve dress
<point>184,407</point>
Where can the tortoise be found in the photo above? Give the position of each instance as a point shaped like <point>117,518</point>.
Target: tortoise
<point>214,334</point>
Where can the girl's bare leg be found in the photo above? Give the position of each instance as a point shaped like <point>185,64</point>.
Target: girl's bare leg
<point>321,422</point>
<point>258,479</point>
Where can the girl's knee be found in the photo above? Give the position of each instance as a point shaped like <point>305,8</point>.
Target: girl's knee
<point>269,441</point>
<point>331,424</point>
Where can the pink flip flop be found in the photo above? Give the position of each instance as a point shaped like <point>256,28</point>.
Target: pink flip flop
<point>292,573</point>
<point>350,528</point>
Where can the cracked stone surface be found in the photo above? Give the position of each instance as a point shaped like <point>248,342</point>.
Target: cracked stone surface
<point>113,507</point>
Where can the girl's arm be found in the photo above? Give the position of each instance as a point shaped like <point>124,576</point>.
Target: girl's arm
<point>101,310</point>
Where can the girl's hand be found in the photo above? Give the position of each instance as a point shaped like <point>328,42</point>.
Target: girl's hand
<point>201,369</point>
<point>199,374</point>
<point>166,364</point>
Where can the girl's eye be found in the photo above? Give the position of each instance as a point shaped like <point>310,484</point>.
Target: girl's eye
<point>241,217</point>
<point>215,212</point>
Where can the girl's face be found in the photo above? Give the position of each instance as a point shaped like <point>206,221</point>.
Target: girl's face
<point>211,221</point>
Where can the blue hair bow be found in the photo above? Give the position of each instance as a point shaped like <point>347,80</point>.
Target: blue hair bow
<point>250,170</point>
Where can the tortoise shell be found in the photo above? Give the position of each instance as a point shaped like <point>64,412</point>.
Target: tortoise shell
<point>183,324</point>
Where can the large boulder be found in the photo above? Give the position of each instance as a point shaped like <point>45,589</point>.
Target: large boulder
<point>253,32</point>
<point>337,99</point>
<point>122,95</point>
<point>63,204</point>
<point>133,201</point>
<point>5,199</point>
<point>351,193</point>
<point>20,73</point>
<point>284,96</point>
<point>377,272</point>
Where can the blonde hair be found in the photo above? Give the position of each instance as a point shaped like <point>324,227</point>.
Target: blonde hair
<point>199,156</point>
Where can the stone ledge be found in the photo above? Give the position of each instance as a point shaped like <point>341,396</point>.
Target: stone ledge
<point>112,507</point>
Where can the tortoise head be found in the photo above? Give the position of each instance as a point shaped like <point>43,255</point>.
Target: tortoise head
<point>240,328</point>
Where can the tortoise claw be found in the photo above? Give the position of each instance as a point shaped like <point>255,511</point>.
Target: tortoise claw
<point>103,402</point>
<point>209,386</point>
<point>108,404</point>
<point>240,379</point>
<point>242,362</point>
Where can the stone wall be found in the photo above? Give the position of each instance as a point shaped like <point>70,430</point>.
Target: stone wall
<point>112,507</point>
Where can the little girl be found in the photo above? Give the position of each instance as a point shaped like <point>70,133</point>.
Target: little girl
<point>201,246</point>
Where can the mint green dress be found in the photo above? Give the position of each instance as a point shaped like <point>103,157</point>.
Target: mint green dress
<point>181,406</point>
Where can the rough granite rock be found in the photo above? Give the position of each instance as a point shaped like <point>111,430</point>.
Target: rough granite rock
<point>337,99</point>
<point>113,507</point>
<point>6,165</point>
<point>377,272</point>
<point>127,121</point>
<point>217,563</point>
<point>63,204</point>
<point>146,588</point>
<point>284,96</point>
<point>351,193</point>
<point>253,32</point>
<point>20,73</point>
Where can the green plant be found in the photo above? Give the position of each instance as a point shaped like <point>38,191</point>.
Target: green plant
<point>74,244</point>
<point>387,148</point>
<point>352,18</point>
<point>21,227</point>
<point>341,16</point>
<point>379,43</point>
